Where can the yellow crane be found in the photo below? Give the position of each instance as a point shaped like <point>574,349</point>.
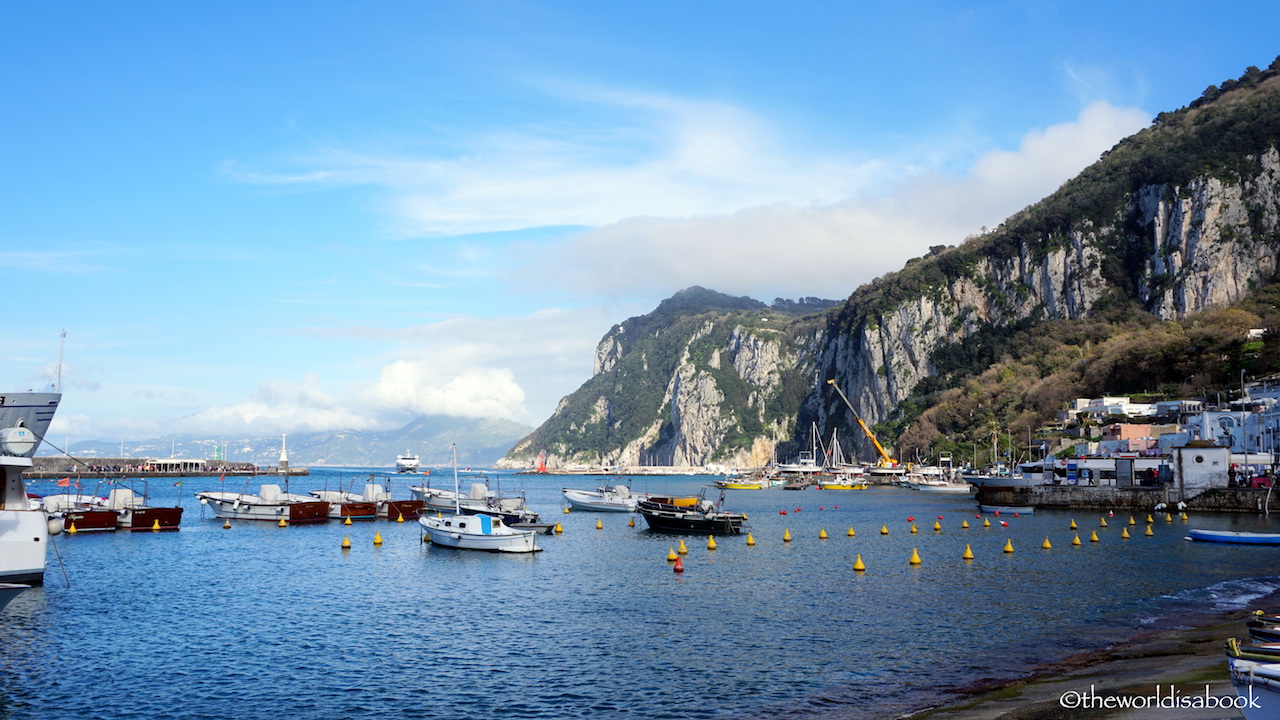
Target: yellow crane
<point>885,460</point>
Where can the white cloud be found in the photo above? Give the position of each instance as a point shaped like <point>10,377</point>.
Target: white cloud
<point>634,154</point>
<point>417,387</point>
<point>278,406</point>
<point>787,250</point>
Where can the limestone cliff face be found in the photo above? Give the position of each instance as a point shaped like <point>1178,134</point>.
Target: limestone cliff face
<point>686,391</point>
<point>1199,246</point>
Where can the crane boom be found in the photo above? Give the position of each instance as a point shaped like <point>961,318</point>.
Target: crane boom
<point>884,456</point>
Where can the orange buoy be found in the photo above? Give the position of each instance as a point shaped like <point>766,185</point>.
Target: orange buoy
<point>679,566</point>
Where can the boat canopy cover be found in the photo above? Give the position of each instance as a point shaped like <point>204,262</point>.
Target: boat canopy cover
<point>622,491</point>
<point>479,491</point>
<point>269,492</point>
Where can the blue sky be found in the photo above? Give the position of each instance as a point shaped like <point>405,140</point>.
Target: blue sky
<point>255,218</point>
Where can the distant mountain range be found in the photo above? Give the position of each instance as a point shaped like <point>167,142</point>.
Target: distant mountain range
<point>480,443</point>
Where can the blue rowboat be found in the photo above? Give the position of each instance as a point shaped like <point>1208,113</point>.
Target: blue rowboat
<point>1230,536</point>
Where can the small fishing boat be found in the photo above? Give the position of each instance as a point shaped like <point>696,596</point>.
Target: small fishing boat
<point>344,505</point>
<point>1267,652</point>
<point>133,513</point>
<point>86,513</point>
<point>696,515</point>
<point>1231,536</point>
<point>609,498</point>
<point>1258,684</point>
<point>268,504</point>
<point>479,499</point>
<point>475,532</point>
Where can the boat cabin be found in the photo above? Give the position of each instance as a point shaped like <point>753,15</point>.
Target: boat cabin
<point>474,524</point>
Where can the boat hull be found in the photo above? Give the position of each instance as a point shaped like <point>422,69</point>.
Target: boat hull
<point>1012,509</point>
<point>233,506</point>
<point>689,521</point>
<point>146,518</point>
<point>599,502</point>
<point>9,591</point>
<point>1258,685</point>
<point>408,509</point>
<point>23,539</point>
<point>90,519</point>
<point>477,532</point>
<point>1240,538</point>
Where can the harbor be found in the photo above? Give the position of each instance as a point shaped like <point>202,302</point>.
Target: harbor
<point>597,625</point>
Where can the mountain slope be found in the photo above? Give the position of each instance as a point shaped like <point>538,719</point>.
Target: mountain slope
<point>1178,219</point>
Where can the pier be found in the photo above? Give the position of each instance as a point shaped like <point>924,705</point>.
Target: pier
<point>105,468</point>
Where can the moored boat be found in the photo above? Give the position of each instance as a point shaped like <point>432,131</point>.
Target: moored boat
<point>475,531</point>
<point>79,512</point>
<point>1009,509</point>
<point>24,529</point>
<point>269,504</point>
<point>1257,684</point>
<point>1232,536</point>
<point>479,499</point>
<point>690,515</point>
<point>608,498</point>
<point>132,512</point>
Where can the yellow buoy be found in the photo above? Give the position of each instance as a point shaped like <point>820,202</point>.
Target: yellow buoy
<point>377,538</point>
<point>399,517</point>
<point>346,542</point>
<point>1124,534</point>
<point>72,529</point>
<point>1149,533</point>
<point>1184,516</point>
<point>1168,517</point>
<point>1104,523</point>
<point>857,564</point>
<point>964,524</point>
<point>711,542</point>
<point>1046,545</point>
<point>851,533</point>
<point>631,522</point>
<point>786,535</point>
<point>968,553</point>
<point>1075,540</point>
<point>282,522</point>
<point>347,521</point>
<point>559,529</point>
<point>671,555</point>
<point>1149,520</point>
<point>884,529</point>
<point>913,528</point>
<point>1093,536</point>
<point>915,557</point>
<point>751,541</point>
<point>599,524</point>
<point>227,524</point>
<point>822,533</point>
<point>937,526</point>
<point>1132,521</point>
<point>156,525</point>
<point>1073,524</point>
<point>682,549</point>
<point>986,522</point>
<point>566,511</point>
<point>1008,545</point>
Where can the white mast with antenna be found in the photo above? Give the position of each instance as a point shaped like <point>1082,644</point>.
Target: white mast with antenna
<point>57,381</point>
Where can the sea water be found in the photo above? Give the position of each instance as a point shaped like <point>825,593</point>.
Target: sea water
<point>266,622</point>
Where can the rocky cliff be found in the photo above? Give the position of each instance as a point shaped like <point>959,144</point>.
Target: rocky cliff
<point>1182,217</point>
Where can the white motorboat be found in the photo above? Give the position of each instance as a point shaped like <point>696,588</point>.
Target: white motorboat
<point>475,532</point>
<point>479,498</point>
<point>1257,686</point>
<point>610,498</point>
<point>268,504</point>
<point>24,529</point>
<point>407,463</point>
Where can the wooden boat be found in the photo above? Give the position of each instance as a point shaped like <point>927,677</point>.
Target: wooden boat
<point>268,504</point>
<point>1267,652</point>
<point>695,515</point>
<point>344,505</point>
<point>1231,536</point>
<point>479,499</point>
<point>87,513</point>
<point>609,498</point>
<point>475,531</point>
<point>1257,684</point>
<point>132,512</point>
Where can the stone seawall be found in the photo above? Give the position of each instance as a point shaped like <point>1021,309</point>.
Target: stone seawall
<point>1135,499</point>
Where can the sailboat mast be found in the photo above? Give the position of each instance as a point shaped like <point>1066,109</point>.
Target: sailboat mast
<point>457,507</point>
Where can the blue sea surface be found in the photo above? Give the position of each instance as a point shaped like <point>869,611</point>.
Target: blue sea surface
<point>266,622</point>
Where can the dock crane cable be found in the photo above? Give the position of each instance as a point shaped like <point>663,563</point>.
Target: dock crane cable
<point>885,459</point>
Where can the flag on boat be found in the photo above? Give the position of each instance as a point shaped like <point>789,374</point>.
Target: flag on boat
<point>64,482</point>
